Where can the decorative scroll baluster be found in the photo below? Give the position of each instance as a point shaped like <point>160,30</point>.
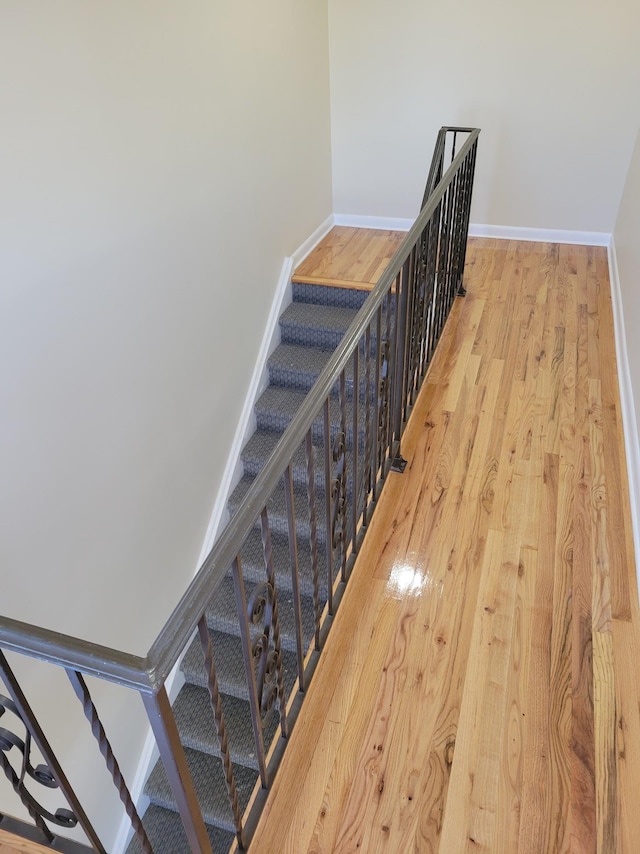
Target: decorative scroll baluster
<point>384,398</point>
<point>356,439</point>
<point>327,497</point>
<point>295,573</point>
<point>311,493</point>
<point>338,528</point>
<point>249,654</point>
<point>91,714</point>
<point>221,728</point>
<point>34,809</point>
<point>367,487</point>
<point>50,775</point>
<point>376,409</point>
<point>277,648</point>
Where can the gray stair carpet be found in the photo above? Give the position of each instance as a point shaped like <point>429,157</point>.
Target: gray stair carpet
<point>311,328</point>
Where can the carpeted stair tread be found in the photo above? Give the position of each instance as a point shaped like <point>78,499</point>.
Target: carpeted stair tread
<point>329,296</point>
<point>277,406</point>
<point>277,510</point>
<point>227,651</point>
<point>222,614</point>
<point>253,562</point>
<point>206,772</point>
<point>313,325</point>
<point>165,832</point>
<point>197,725</point>
<point>295,367</point>
<point>263,443</point>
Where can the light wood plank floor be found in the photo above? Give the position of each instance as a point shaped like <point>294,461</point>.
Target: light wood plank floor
<point>9,844</point>
<point>479,689</point>
<point>349,257</point>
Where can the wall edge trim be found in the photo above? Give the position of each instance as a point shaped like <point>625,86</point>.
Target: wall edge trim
<point>627,403</point>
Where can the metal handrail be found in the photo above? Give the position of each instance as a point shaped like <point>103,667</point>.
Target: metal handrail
<point>148,674</point>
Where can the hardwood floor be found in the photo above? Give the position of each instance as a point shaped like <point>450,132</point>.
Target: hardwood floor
<point>10,844</point>
<point>350,257</point>
<point>479,689</point>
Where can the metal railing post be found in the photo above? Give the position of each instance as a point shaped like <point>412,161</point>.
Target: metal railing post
<point>164,728</point>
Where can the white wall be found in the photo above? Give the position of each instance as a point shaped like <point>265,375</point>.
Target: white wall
<point>552,85</point>
<point>627,253</point>
<point>158,160</point>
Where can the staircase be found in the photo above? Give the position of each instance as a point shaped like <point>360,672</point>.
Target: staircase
<point>311,328</point>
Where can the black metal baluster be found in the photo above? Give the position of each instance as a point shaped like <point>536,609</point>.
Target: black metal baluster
<point>450,235</point>
<point>447,249</point>
<point>340,458</point>
<point>386,380</point>
<point>295,572</point>
<point>311,493</point>
<point>467,215</point>
<point>327,494</point>
<point>36,733</point>
<point>375,465</point>
<point>441,264</point>
<point>430,291</point>
<point>91,714</point>
<point>356,436</point>
<point>164,728</point>
<point>435,235</point>
<point>221,728</point>
<point>367,486</point>
<point>399,372</point>
<point>271,577</point>
<point>249,656</point>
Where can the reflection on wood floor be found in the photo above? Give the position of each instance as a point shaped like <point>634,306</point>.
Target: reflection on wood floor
<point>479,689</point>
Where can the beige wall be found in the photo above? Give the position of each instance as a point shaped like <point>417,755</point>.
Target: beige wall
<point>552,85</point>
<point>158,161</point>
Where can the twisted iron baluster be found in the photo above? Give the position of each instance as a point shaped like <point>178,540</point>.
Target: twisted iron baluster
<point>311,493</point>
<point>248,656</point>
<point>13,778</point>
<point>271,576</point>
<point>221,727</point>
<point>295,572</point>
<point>91,714</point>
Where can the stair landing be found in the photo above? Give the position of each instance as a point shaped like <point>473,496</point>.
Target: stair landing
<point>349,258</point>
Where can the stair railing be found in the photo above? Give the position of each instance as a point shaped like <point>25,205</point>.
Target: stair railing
<point>349,428</point>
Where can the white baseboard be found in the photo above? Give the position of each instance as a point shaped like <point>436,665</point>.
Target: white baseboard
<point>230,478</point>
<point>259,379</point>
<point>384,223</point>
<point>311,242</point>
<point>629,421</point>
<point>539,235</point>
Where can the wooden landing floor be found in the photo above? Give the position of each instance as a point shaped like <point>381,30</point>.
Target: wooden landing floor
<point>349,257</point>
<point>479,689</point>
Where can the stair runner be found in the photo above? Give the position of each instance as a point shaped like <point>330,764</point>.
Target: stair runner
<point>311,328</point>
